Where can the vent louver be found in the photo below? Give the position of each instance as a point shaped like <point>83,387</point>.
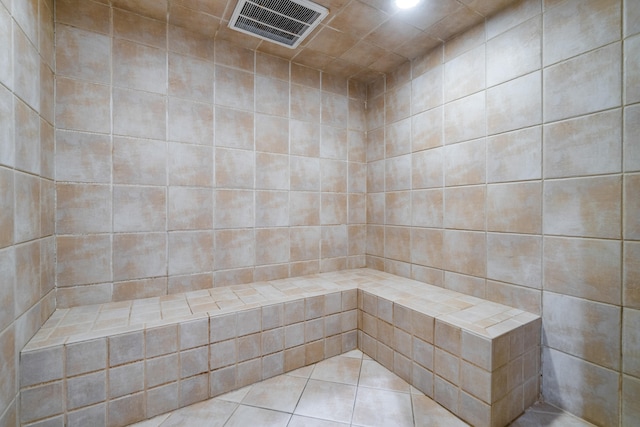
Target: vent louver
<point>284,22</point>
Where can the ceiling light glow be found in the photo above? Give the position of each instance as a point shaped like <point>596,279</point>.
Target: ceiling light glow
<point>406,4</point>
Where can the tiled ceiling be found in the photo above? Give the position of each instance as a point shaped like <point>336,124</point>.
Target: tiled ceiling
<point>359,39</point>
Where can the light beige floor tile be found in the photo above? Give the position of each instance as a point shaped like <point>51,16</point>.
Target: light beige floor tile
<point>249,416</point>
<point>236,396</point>
<point>327,400</point>
<point>374,375</point>
<point>212,413</point>
<point>428,413</point>
<point>280,393</point>
<point>381,408</point>
<point>298,421</point>
<point>304,372</point>
<point>345,370</point>
<point>356,354</point>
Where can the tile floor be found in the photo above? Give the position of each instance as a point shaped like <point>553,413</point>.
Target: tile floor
<point>347,390</point>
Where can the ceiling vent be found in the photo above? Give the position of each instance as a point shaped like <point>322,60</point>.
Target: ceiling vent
<point>284,22</point>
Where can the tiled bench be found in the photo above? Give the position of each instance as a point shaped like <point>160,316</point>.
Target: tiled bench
<point>118,363</point>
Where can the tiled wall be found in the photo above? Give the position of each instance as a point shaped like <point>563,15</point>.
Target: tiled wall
<point>505,165</point>
<point>183,164</point>
<point>27,245</point>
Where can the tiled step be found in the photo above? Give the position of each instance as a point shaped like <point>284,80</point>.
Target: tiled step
<point>118,363</point>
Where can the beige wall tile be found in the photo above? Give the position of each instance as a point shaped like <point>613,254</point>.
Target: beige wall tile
<point>426,90</point>
<point>27,207</point>
<point>92,16</point>
<point>27,138</point>
<point>458,81</point>
<point>469,285</point>
<point>229,54</point>
<point>334,109</point>
<point>234,209</point>
<point>82,54</point>
<point>585,146</point>
<point>526,299</point>
<point>190,165</point>
<point>515,104</point>
<point>398,173</point>
<point>144,288</point>
<point>190,78</point>
<point>632,70</point>
<point>135,161</point>
<point>304,243</point>
<point>139,208</point>
<point>272,246</point>
<point>630,409</point>
<point>333,175</point>
<point>139,29</point>
<point>398,138</point>
<point>464,164</point>
<point>630,342</point>
<point>587,207</point>
<point>305,138</point>
<point>357,181</point>
<point>84,295</point>
<point>82,106</point>
<point>190,122</point>
<point>7,124</point>
<point>27,258</point>
<point>235,168</point>
<point>515,259</point>
<point>397,243</point>
<point>304,208</point>
<point>589,24</point>
<point>333,208</point>
<point>584,268</point>
<point>233,128</point>
<point>426,129</point>
<point>631,207</point>
<point>139,255</point>
<point>398,208</point>
<point>565,328</point>
<point>83,259</point>
<point>464,119</point>
<point>305,103</point>
<point>234,248</point>
<point>190,282</point>
<point>515,208</point>
<point>190,252</point>
<point>189,208</point>
<point>465,252</point>
<point>83,157</point>
<point>397,103</point>
<point>333,143</point>
<point>26,66</point>
<point>465,208</point>
<point>426,247</point>
<point>427,168</point>
<point>595,398</point>
<point>334,241</point>
<point>588,83</point>
<point>515,156</point>
<point>427,208</point>
<point>272,209</point>
<point>136,66</point>
<point>631,275</point>
<point>234,88</point>
<point>272,171</point>
<point>631,143</point>
<point>7,201</point>
<point>83,208</point>
<point>274,134</point>
<point>137,113</point>
<point>514,52</point>
<point>272,96</point>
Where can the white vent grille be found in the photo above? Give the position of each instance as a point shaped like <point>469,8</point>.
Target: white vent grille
<point>285,22</point>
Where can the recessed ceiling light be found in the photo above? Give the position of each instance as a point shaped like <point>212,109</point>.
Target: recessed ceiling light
<point>406,4</point>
